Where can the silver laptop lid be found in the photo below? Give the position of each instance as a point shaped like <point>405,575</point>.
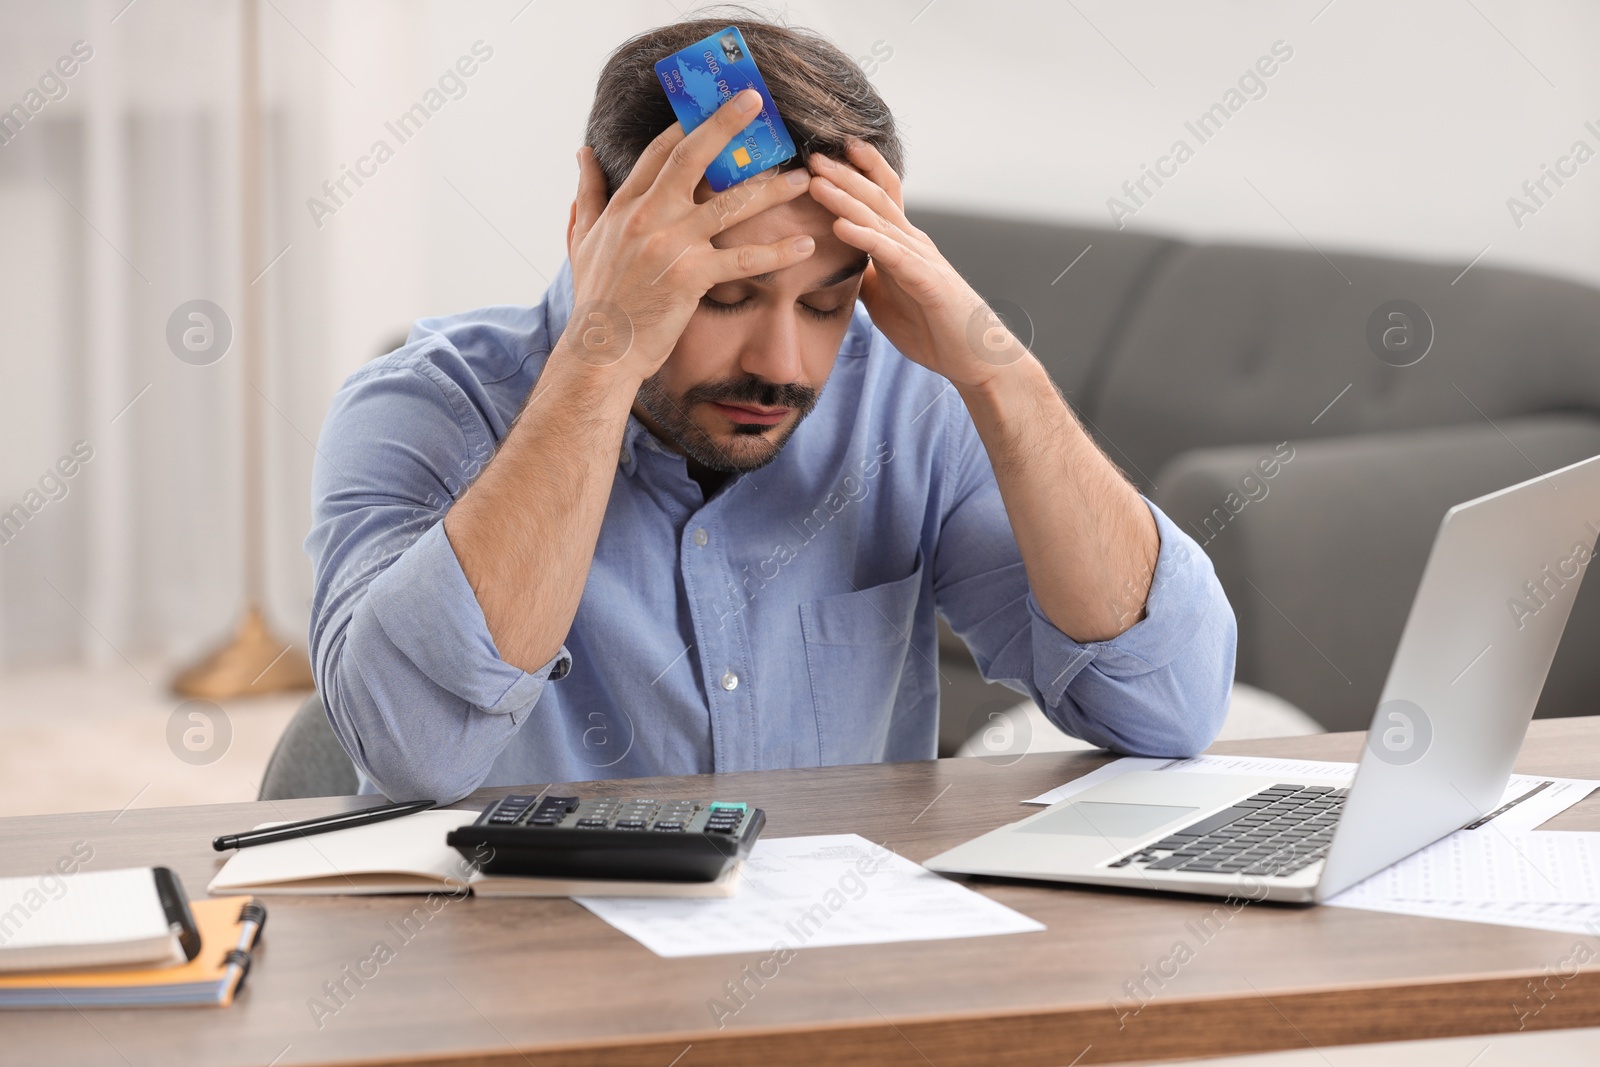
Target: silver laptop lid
<point>1473,657</point>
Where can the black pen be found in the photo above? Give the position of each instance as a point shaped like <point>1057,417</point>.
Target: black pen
<point>307,827</point>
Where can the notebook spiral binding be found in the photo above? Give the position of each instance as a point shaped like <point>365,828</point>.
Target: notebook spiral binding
<point>254,912</point>
<point>238,957</point>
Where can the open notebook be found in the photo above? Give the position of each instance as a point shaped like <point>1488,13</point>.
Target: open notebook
<point>408,855</point>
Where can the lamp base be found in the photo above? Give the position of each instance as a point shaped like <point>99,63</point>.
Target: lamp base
<point>253,662</point>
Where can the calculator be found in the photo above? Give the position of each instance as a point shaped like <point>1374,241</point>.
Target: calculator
<point>642,838</point>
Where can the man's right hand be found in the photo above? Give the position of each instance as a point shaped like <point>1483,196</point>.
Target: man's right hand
<point>642,262</point>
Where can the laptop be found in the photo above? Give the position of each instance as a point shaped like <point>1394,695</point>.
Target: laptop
<point>1494,598</point>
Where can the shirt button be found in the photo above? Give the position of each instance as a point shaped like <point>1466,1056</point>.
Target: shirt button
<point>730,680</point>
<point>700,537</point>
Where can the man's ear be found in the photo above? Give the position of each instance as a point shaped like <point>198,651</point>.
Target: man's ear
<point>572,224</point>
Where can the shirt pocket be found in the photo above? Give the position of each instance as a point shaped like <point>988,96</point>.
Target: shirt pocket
<point>859,654</point>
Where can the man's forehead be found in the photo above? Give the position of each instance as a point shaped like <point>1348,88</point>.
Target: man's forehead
<point>794,217</point>
<point>852,268</point>
<point>833,261</point>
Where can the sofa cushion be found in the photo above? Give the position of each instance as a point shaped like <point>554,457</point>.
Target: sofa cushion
<point>1234,344</point>
<point>1321,559</point>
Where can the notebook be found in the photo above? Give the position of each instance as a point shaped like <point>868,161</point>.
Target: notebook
<point>228,928</point>
<point>409,855</point>
<point>134,915</point>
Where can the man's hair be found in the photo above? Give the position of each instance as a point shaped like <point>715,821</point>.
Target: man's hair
<point>821,94</point>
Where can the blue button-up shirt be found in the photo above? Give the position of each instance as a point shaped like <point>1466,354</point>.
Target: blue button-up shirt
<point>786,621</point>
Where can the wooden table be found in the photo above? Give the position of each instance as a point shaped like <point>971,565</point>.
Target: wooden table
<point>514,982</point>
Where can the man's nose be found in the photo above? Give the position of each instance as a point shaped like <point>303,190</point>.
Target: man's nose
<point>771,350</point>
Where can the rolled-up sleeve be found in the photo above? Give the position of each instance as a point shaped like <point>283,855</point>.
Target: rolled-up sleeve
<point>1160,688</point>
<point>415,688</point>
<point>429,614</point>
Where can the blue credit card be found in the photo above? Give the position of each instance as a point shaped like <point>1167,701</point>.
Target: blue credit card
<point>700,79</point>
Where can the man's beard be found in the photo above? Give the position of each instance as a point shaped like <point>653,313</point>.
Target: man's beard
<point>672,415</point>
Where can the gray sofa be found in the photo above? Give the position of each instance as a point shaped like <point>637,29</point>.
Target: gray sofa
<point>1194,363</point>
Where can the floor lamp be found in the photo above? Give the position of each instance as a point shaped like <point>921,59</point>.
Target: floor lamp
<point>254,660</point>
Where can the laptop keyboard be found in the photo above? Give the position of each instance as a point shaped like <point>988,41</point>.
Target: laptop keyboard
<point>1276,832</point>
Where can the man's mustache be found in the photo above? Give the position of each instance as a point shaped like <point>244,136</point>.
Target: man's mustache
<point>753,390</point>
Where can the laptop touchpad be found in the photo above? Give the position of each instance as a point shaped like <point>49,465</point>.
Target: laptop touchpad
<point>1098,819</point>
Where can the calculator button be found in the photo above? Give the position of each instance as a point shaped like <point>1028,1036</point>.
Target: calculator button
<point>630,824</point>
<point>592,823</point>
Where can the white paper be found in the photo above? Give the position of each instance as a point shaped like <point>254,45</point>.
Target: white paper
<point>807,892</point>
<point>1489,865</point>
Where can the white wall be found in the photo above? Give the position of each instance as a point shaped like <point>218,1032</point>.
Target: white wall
<point>1398,127</point>
<point>1398,130</point>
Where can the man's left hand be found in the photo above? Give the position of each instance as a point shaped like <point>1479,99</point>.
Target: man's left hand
<point>922,305</point>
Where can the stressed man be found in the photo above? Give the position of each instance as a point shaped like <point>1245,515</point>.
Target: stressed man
<point>698,508</point>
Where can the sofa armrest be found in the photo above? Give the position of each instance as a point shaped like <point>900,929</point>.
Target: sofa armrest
<point>1320,546</point>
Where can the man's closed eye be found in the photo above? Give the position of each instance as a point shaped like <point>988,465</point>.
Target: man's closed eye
<point>814,312</point>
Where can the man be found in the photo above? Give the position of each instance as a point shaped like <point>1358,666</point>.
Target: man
<point>627,531</point>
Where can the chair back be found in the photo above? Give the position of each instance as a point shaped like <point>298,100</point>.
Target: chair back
<point>308,760</point>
